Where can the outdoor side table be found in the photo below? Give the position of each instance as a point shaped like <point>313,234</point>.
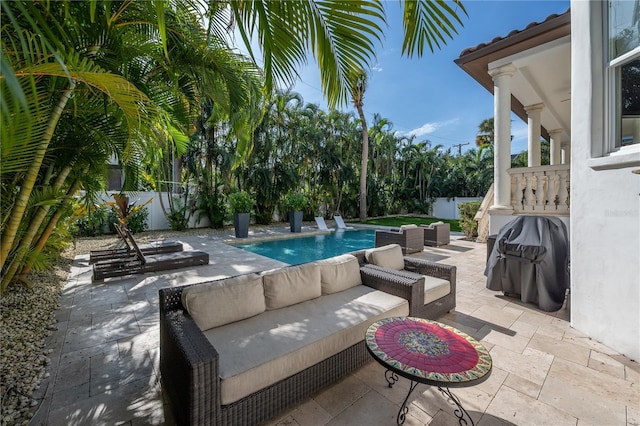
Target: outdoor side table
<point>428,352</point>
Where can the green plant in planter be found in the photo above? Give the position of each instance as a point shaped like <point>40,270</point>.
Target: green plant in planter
<point>295,201</point>
<point>241,202</point>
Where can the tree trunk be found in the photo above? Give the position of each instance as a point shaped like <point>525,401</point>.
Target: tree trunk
<point>34,225</point>
<point>363,165</point>
<point>26,188</point>
<point>44,236</point>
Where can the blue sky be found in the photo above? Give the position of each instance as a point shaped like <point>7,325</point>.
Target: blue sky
<point>432,97</point>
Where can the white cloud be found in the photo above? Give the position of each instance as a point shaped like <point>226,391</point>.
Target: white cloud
<point>377,68</point>
<point>428,128</point>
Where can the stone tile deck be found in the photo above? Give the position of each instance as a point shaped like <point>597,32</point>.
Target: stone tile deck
<point>105,359</point>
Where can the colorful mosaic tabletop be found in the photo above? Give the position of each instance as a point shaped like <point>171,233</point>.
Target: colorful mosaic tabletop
<point>429,351</point>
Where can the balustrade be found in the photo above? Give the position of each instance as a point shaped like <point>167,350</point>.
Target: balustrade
<point>540,189</point>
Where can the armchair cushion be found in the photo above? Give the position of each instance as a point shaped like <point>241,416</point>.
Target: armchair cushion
<point>389,256</point>
<point>435,288</point>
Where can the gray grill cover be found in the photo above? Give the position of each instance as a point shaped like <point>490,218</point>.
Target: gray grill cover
<point>530,258</point>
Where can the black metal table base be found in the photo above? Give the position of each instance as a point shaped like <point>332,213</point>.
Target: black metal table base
<point>459,411</point>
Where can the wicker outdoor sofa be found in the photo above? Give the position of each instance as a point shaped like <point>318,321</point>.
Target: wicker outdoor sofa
<point>196,366</point>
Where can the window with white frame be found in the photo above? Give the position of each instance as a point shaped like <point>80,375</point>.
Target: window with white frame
<point>623,19</point>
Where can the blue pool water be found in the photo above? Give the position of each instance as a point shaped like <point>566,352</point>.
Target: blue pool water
<point>307,249</point>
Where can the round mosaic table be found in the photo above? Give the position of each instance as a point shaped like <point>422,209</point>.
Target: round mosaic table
<point>428,352</point>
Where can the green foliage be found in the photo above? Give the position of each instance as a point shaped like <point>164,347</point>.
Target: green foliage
<point>177,216</point>
<point>90,224</point>
<point>136,222</point>
<point>467,213</point>
<point>241,202</point>
<point>295,201</point>
<point>212,206</point>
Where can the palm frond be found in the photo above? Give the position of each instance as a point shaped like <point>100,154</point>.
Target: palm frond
<point>430,21</point>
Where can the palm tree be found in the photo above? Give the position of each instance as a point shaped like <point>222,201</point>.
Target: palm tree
<point>358,87</point>
<point>486,133</point>
<point>117,53</point>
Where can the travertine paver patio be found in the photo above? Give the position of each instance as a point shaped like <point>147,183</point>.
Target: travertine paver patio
<point>104,368</point>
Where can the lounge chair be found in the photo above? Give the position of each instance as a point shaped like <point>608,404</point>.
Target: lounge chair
<point>322,225</point>
<point>138,263</point>
<point>340,223</point>
<point>126,251</point>
<point>409,237</point>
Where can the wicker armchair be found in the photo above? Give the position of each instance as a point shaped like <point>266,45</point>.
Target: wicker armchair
<point>437,234</point>
<point>414,269</point>
<point>409,238</point>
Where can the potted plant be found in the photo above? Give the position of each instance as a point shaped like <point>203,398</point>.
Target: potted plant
<point>294,202</point>
<point>241,205</point>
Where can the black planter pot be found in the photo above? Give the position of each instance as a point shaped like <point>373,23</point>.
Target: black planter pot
<point>295,221</point>
<point>241,223</point>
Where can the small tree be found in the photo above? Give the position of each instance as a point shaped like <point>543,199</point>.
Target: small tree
<point>124,210</point>
<point>467,218</point>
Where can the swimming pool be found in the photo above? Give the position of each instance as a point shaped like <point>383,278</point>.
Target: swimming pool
<point>307,249</point>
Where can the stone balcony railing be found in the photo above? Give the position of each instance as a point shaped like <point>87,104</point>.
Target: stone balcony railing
<point>540,190</point>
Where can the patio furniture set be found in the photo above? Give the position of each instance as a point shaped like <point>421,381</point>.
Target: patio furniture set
<point>240,350</point>
<point>413,238</point>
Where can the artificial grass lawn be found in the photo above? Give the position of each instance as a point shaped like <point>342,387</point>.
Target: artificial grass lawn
<point>407,220</point>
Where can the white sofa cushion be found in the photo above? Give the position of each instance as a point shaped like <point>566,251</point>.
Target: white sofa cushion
<point>339,273</point>
<point>263,350</point>
<point>288,286</point>
<point>435,288</point>
<point>389,256</point>
<point>220,302</point>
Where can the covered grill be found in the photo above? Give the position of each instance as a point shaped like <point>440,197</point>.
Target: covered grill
<point>530,259</point>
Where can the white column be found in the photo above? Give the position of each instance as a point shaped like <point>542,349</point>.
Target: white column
<point>555,142</point>
<point>533,121</point>
<point>566,153</point>
<point>502,129</point>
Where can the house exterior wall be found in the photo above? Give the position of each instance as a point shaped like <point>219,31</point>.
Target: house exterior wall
<point>605,204</point>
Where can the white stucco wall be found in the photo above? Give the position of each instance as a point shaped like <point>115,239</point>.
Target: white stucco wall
<point>605,205</point>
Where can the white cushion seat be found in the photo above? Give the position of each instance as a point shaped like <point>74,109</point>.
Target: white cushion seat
<point>435,288</point>
<point>262,350</point>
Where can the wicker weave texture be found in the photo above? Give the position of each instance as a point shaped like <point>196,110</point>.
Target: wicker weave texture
<point>411,240</point>
<point>439,235</point>
<point>189,365</point>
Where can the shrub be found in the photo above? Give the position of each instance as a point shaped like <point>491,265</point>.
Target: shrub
<point>467,213</point>
<point>91,223</point>
<point>295,201</point>
<point>241,202</point>
<point>137,222</point>
<point>177,216</point>
<point>211,205</point>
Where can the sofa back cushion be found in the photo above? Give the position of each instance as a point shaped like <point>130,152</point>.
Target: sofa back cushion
<point>224,301</point>
<point>291,285</point>
<point>339,273</point>
<point>389,256</point>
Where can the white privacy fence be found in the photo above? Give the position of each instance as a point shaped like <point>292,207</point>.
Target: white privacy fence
<point>156,220</point>
<point>447,208</point>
